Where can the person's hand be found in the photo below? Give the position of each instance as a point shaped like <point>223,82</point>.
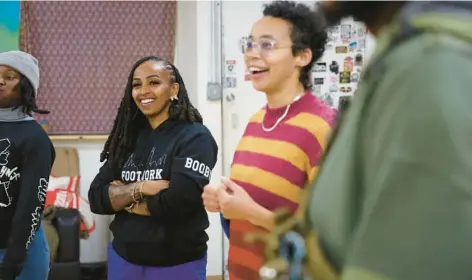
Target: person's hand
<point>234,201</point>
<point>210,198</point>
<point>140,209</point>
<point>153,187</point>
<point>115,183</point>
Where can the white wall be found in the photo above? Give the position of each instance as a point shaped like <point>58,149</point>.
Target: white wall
<point>192,58</point>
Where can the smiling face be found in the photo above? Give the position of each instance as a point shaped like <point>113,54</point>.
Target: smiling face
<point>9,87</point>
<point>152,88</point>
<point>268,55</point>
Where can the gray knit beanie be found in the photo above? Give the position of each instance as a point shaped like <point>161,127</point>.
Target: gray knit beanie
<point>24,63</point>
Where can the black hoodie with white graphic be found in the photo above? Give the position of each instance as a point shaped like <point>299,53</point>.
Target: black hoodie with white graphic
<point>26,159</point>
<point>183,153</point>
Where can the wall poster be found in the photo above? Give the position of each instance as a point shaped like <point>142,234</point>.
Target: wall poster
<point>337,73</point>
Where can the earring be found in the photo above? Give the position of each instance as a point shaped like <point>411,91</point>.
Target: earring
<point>174,98</point>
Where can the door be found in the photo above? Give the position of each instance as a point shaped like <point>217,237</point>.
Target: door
<point>240,99</point>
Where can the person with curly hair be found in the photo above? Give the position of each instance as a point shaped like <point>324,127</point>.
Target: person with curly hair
<point>158,158</point>
<point>279,151</point>
<point>26,159</point>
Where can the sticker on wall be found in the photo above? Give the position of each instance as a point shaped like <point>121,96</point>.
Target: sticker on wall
<point>331,39</point>
<point>361,31</point>
<point>334,29</point>
<point>329,47</point>
<point>353,33</point>
<point>348,65</point>
<point>345,33</point>
<point>333,79</point>
<point>319,67</point>
<point>230,67</point>
<point>341,49</point>
<point>352,46</point>
<point>318,81</point>
<point>344,102</point>
<point>345,89</point>
<point>229,82</point>
<point>344,77</point>
<point>333,88</point>
<point>243,43</point>
<point>334,67</point>
<point>354,77</point>
<point>358,60</point>
<point>327,99</point>
<point>317,89</point>
<point>361,43</point>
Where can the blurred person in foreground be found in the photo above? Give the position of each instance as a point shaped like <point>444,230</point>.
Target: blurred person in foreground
<point>393,197</point>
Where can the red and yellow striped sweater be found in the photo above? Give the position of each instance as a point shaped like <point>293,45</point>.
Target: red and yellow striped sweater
<point>273,167</point>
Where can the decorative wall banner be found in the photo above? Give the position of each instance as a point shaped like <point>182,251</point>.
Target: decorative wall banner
<point>86,50</point>
<point>9,25</point>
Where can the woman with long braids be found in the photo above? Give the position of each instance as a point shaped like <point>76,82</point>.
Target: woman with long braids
<point>158,157</point>
<point>26,159</point>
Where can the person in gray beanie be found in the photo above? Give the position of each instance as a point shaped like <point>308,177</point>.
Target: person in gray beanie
<point>27,67</point>
<point>26,159</point>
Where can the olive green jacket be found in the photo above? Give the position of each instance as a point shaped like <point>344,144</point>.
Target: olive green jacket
<point>393,199</point>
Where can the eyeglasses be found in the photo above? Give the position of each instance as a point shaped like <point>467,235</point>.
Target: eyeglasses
<point>262,46</point>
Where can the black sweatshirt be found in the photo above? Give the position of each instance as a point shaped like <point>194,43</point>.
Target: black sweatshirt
<point>183,153</point>
<point>26,159</point>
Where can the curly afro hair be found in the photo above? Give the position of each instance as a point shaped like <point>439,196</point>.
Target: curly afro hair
<point>308,31</point>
